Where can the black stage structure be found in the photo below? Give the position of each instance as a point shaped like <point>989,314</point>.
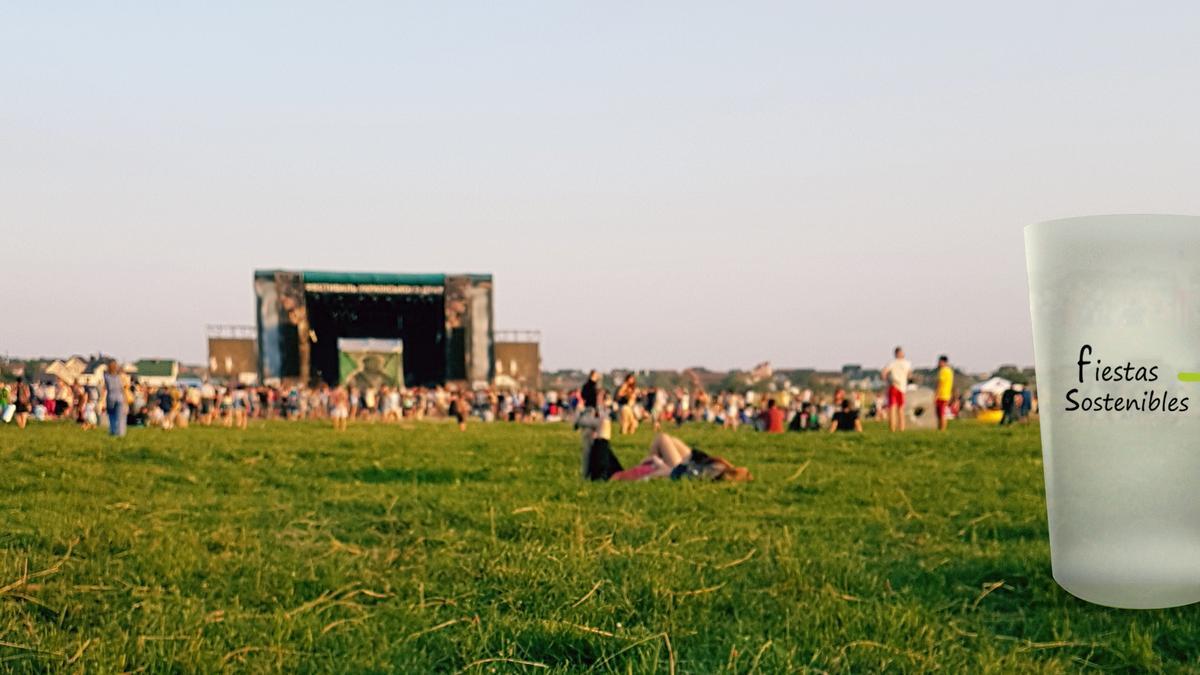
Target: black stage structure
<point>443,320</point>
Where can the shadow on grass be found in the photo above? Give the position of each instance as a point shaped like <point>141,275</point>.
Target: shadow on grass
<point>377,475</point>
<point>145,455</point>
<point>23,541</point>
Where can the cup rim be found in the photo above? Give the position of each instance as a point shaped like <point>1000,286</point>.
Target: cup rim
<point>1115,216</point>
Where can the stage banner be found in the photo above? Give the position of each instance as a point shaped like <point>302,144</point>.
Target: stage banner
<point>370,362</point>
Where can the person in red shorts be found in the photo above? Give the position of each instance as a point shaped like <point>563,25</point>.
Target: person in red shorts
<point>896,375</point>
<point>944,391</point>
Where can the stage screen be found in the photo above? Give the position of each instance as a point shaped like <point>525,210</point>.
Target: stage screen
<point>370,362</point>
<point>444,323</point>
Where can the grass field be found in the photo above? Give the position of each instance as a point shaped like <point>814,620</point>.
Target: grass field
<point>420,549</point>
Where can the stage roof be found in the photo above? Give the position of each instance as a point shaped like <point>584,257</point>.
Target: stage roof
<point>326,277</point>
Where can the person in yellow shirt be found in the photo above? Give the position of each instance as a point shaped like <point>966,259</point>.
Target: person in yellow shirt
<point>944,391</point>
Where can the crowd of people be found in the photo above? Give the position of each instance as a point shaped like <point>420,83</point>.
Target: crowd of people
<point>777,412</point>
<point>126,401</point>
<point>594,409</point>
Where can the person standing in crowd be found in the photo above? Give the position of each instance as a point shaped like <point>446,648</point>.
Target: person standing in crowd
<point>5,415</point>
<point>23,401</point>
<point>226,407</point>
<point>339,408</point>
<point>732,410</point>
<point>896,375</point>
<point>241,406</point>
<point>944,391</point>
<point>79,396</point>
<point>460,407</point>
<point>208,402</point>
<point>192,404</point>
<point>773,418</point>
<point>115,402</point>
<point>588,391</point>
<point>683,405</point>
<point>626,397</point>
<point>88,417</point>
<point>63,400</point>
<point>652,405</point>
<point>1008,405</point>
<point>44,393</point>
<point>392,406</point>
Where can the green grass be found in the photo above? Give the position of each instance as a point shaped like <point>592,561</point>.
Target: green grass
<point>291,548</point>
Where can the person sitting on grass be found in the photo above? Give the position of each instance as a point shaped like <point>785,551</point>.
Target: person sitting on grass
<point>773,418</point>
<point>805,419</point>
<point>846,419</point>
<point>672,458</point>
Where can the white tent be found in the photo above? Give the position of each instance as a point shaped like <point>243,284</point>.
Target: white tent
<point>987,394</point>
<point>994,386</point>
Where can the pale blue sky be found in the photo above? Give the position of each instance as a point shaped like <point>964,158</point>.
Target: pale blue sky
<point>652,184</point>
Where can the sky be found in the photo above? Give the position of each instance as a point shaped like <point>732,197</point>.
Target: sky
<point>653,185</point>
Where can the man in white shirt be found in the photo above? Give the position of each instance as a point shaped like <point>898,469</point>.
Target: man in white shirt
<point>896,375</point>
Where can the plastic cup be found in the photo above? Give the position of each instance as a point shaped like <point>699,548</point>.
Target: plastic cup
<point>1122,478</point>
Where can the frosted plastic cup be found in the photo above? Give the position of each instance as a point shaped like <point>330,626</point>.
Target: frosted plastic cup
<point>1122,485</point>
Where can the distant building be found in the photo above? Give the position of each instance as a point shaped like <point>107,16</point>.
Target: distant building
<point>563,379</point>
<point>762,371</point>
<point>233,353</point>
<point>867,380</point>
<point>78,370</point>
<point>68,371</point>
<point>827,379</point>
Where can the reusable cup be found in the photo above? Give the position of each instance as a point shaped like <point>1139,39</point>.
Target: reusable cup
<point>1115,302</point>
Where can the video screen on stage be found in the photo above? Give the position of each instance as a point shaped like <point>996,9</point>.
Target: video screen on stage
<point>370,363</point>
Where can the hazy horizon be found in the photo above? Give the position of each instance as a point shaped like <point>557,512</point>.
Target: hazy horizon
<point>652,186</point>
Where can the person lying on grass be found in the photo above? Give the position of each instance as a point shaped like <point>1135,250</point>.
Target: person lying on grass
<point>671,458</point>
<point>595,433</point>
